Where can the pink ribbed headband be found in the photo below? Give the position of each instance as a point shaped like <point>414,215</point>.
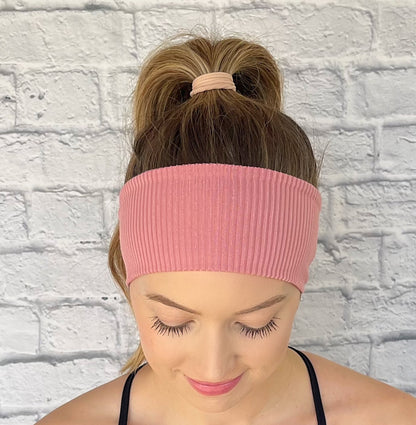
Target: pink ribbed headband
<point>219,217</point>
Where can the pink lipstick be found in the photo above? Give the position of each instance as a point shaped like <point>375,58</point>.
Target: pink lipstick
<point>207,388</point>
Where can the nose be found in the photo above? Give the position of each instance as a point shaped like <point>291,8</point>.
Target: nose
<point>216,356</point>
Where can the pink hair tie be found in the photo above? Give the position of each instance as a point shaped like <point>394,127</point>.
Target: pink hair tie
<point>219,217</point>
<point>212,80</point>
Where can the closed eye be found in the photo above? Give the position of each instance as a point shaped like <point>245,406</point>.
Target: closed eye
<point>161,328</point>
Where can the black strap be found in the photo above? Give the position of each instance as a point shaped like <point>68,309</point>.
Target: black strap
<point>320,414</point>
<point>125,398</point>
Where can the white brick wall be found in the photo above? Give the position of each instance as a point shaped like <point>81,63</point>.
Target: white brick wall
<point>66,70</point>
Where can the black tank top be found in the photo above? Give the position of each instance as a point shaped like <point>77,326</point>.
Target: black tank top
<point>320,415</point>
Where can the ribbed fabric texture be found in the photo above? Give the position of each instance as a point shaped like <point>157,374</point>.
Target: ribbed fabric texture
<point>219,217</point>
<point>212,80</point>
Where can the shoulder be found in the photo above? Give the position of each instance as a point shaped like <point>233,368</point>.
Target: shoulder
<point>99,405</point>
<point>351,397</point>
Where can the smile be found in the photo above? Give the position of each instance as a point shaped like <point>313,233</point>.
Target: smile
<point>210,388</point>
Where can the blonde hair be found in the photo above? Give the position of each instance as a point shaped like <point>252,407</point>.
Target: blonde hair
<point>242,127</point>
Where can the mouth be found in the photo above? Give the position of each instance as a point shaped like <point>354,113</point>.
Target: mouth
<point>214,384</point>
<point>214,388</point>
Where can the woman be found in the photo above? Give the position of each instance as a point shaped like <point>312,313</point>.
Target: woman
<point>218,224</point>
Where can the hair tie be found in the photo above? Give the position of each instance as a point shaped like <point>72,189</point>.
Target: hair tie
<point>211,81</point>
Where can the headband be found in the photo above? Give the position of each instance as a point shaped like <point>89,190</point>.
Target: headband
<point>219,217</point>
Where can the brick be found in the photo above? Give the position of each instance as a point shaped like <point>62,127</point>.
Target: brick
<point>12,216</point>
<point>374,205</point>
<point>19,420</point>
<point>305,30</point>
<point>398,29</point>
<point>111,206</point>
<point>19,330</point>
<point>400,358</point>
<point>25,385</point>
<point>157,23</point>
<point>309,317</point>
<point>39,274</point>
<point>85,159</point>
<point>397,152</point>
<point>67,37</point>
<point>7,101</point>
<point>384,93</point>
<point>382,311</point>
<point>345,265</point>
<point>399,259</point>
<point>21,158</point>
<point>348,152</point>
<point>66,215</point>
<point>70,328</point>
<point>117,98</point>
<point>58,99</point>
<point>324,217</point>
<point>314,92</point>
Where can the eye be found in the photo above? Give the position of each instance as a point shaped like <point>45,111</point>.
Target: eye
<point>261,332</point>
<point>162,328</point>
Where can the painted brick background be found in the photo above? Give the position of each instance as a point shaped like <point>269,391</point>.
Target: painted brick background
<point>67,70</point>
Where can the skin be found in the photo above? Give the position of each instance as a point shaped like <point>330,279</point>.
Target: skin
<point>213,348</point>
<point>275,389</point>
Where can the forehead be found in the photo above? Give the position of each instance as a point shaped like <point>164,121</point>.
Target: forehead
<point>205,282</point>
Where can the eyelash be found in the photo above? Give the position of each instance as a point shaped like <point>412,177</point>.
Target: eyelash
<point>162,328</point>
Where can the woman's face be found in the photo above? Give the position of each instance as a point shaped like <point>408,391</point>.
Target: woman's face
<point>215,342</point>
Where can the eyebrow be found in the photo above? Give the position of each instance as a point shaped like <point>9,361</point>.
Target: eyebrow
<point>162,299</point>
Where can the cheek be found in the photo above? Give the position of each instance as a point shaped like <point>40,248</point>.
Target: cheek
<point>271,349</point>
<point>156,348</point>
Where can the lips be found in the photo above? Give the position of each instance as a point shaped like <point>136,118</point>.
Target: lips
<point>213,384</point>
<point>209,388</point>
